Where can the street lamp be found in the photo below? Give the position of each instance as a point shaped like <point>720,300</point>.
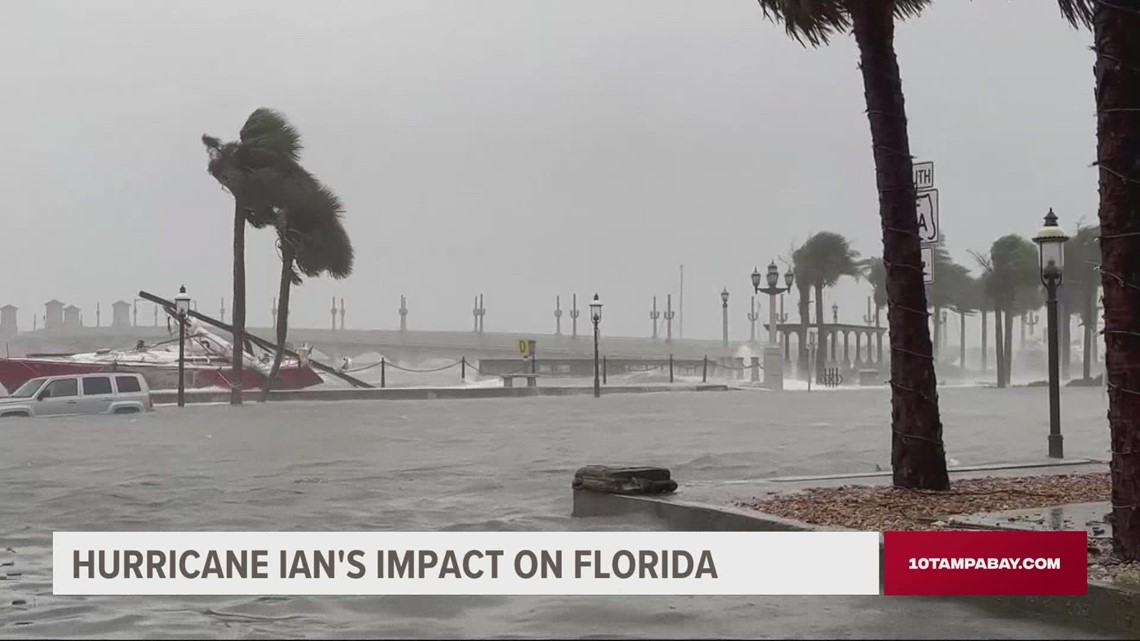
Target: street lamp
<point>773,360</point>
<point>596,316</point>
<point>1051,245</point>
<point>724,310</point>
<point>835,313</point>
<point>182,306</point>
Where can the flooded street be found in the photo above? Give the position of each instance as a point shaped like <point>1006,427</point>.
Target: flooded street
<point>486,465</point>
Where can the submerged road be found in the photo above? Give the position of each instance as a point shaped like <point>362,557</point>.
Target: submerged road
<point>489,464</point>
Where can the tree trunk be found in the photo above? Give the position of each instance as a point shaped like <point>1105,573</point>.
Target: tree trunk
<point>1118,148</point>
<point>999,346</point>
<point>937,332</point>
<point>962,341</point>
<point>918,459</point>
<point>985,337</point>
<point>821,348</point>
<point>1066,316</point>
<point>238,306</point>
<point>282,316</point>
<point>1089,327</point>
<point>1009,345</point>
<point>802,361</point>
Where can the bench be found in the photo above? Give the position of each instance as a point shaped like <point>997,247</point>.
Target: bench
<point>509,379</point>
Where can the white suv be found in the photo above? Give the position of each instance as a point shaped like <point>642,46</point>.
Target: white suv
<point>110,393</point>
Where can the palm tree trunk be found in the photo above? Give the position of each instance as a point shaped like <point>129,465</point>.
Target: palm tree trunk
<point>918,459</point>
<point>937,331</point>
<point>821,348</point>
<point>962,341</point>
<point>1066,316</point>
<point>802,361</point>
<point>1089,327</point>
<point>1009,345</point>
<point>284,288</point>
<point>1118,147</point>
<point>999,346</point>
<point>985,337</point>
<point>238,306</point>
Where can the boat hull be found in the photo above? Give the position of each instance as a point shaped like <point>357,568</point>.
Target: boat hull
<point>14,372</point>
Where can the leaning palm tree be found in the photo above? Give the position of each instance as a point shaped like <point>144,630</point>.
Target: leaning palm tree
<point>1012,275</point>
<point>271,188</point>
<point>240,167</point>
<point>918,458</point>
<point>821,261</point>
<point>1117,71</point>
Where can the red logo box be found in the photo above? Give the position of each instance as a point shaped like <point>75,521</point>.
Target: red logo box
<point>985,563</point>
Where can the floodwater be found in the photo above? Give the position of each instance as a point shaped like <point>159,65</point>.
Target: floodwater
<point>492,464</point>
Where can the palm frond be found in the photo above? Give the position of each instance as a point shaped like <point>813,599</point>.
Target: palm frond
<point>1079,13</point>
<point>269,129</point>
<point>809,22</point>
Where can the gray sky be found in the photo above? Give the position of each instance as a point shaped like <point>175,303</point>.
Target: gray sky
<point>518,148</point>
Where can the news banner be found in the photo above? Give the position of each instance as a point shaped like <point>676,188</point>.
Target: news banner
<point>570,563</point>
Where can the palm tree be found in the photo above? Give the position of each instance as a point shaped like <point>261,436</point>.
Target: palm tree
<point>270,188</point>
<point>1080,283</point>
<point>940,292</point>
<point>876,275</point>
<point>821,261</point>
<point>240,167</point>
<point>918,458</point>
<point>1117,72</point>
<point>1011,275</point>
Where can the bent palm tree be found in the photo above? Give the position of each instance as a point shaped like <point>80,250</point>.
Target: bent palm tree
<point>821,261</point>
<point>271,188</point>
<point>918,459</point>
<point>1117,71</point>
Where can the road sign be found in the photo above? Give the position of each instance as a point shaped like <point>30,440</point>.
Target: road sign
<point>523,347</point>
<point>924,175</point>
<point>926,205</point>
<point>927,264</point>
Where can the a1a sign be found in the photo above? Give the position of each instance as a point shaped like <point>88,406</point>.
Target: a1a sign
<point>926,202</point>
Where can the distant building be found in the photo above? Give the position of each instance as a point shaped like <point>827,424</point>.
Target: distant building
<point>120,314</point>
<point>8,327</point>
<point>71,318</point>
<point>53,316</point>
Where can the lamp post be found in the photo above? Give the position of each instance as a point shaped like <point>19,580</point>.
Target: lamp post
<point>596,316</point>
<point>773,360</point>
<point>724,314</point>
<point>182,306</point>
<point>1051,244</point>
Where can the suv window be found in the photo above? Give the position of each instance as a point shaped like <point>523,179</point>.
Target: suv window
<point>127,384</point>
<point>96,385</point>
<point>62,387</point>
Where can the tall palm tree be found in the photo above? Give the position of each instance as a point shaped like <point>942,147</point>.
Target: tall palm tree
<point>821,261</point>
<point>1011,272</point>
<point>918,458</point>
<point>270,188</point>
<point>876,275</point>
<point>1080,283</point>
<point>241,168</point>
<point>1117,72</point>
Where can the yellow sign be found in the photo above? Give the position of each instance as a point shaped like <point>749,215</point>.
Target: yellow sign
<point>523,347</point>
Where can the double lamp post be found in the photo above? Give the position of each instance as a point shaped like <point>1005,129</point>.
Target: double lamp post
<point>773,359</point>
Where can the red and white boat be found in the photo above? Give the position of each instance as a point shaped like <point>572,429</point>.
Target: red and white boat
<point>207,363</point>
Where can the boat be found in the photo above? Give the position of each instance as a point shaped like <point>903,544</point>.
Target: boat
<point>207,363</point>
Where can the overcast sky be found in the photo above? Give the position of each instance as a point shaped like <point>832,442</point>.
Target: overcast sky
<point>517,148</point>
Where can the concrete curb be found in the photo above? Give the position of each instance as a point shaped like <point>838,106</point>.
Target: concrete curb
<point>167,397</point>
<point>1106,608</point>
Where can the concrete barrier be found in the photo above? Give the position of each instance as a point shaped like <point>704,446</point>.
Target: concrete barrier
<point>1106,608</point>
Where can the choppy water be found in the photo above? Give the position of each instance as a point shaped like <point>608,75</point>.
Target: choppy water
<point>495,464</point>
